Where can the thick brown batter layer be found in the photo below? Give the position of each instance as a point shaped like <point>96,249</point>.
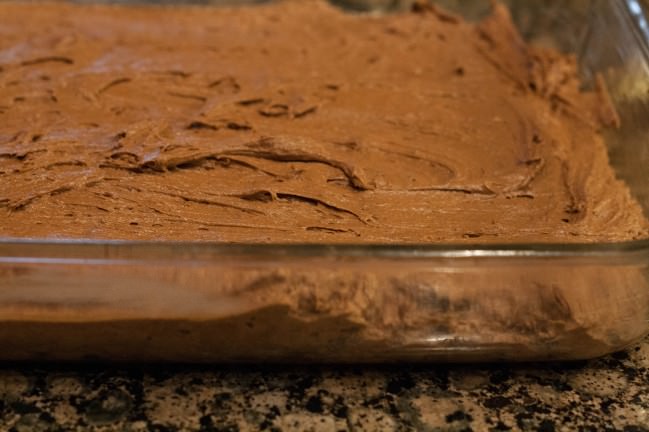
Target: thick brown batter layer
<point>297,123</point>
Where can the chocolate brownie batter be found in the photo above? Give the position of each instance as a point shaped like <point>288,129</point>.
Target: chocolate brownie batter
<point>297,122</point>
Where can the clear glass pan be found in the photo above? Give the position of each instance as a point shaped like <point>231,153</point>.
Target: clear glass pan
<point>72,300</point>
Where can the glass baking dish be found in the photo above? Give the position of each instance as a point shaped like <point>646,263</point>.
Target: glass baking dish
<point>209,302</point>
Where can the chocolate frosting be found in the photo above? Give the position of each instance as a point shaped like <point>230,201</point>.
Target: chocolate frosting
<point>297,122</point>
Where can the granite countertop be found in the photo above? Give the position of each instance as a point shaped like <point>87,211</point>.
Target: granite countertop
<point>611,393</point>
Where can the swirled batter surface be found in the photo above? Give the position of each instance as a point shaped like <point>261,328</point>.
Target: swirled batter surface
<point>297,122</point>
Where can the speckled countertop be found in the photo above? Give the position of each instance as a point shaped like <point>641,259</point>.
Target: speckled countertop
<point>611,393</point>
